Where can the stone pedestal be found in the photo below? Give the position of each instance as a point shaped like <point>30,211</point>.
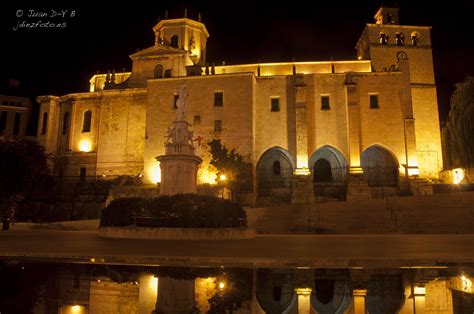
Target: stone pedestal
<point>178,174</point>
<point>304,304</point>
<point>359,300</point>
<point>302,190</point>
<point>357,187</point>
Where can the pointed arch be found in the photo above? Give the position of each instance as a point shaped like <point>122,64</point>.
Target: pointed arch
<point>328,162</point>
<point>274,170</point>
<point>380,166</point>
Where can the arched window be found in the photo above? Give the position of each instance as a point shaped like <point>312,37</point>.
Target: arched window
<point>45,123</point>
<point>174,41</point>
<point>158,71</point>
<point>276,168</point>
<point>86,125</point>
<point>322,171</point>
<point>65,123</point>
<point>383,38</point>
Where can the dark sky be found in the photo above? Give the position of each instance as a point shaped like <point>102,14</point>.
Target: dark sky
<point>101,36</point>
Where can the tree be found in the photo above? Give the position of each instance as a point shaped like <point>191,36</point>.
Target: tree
<point>23,167</point>
<point>460,126</point>
<point>232,165</point>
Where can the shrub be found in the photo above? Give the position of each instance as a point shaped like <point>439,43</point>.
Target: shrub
<point>177,211</point>
<point>122,211</point>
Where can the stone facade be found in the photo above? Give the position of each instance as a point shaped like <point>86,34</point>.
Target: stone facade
<point>383,102</point>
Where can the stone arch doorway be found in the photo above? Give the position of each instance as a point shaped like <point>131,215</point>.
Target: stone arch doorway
<point>322,171</point>
<point>380,167</point>
<point>274,172</point>
<point>329,169</point>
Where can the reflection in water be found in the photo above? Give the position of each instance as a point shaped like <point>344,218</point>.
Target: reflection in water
<point>98,288</point>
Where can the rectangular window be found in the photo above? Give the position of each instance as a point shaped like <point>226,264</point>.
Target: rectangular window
<point>175,102</point>
<point>374,102</point>
<point>217,125</point>
<point>16,125</point>
<point>197,120</point>
<point>325,103</point>
<point>218,99</point>
<point>3,120</point>
<point>275,104</point>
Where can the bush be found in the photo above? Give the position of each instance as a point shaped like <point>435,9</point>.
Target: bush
<point>177,211</point>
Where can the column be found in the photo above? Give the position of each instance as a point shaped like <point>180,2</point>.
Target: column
<point>304,304</point>
<point>353,118</point>
<point>359,300</point>
<point>147,293</point>
<point>419,294</point>
<point>301,127</point>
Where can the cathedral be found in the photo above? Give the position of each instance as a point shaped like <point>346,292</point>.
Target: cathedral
<point>367,122</point>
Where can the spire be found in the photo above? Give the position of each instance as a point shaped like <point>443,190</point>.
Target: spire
<point>186,13</point>
<point>166,14</point>
<point>199,17</point>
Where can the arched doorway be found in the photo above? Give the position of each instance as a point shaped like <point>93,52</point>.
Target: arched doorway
<point>380,167</point>
<point>275,172</point>
<point>329,168</point>
<point>322,171</point>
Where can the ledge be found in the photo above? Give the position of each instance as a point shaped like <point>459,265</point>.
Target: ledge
<point>176,233</point>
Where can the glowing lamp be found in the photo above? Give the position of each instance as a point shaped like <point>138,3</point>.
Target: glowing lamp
<point>155,173</point>
<point>302,172</point>
<point>76,309</point>
<point>221,285</point>
<point>222,177</point>
<point>419,290</point>
<point>85,146</point>
<point>458,175</point>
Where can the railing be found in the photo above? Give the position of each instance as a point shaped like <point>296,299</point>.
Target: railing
<point>381,176</point>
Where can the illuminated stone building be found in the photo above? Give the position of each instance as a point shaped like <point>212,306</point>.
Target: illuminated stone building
<point>15,114</point>
<point>376,115</point>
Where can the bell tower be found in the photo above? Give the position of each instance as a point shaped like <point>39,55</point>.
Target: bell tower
<point>380,43</point>
<point>184,34</point>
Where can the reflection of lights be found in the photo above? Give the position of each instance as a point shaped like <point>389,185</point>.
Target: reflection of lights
<point>221,285</point>
<point>458,175</point>
<point>222,177</point>
<point>85,146</point>
<point>75,309</point>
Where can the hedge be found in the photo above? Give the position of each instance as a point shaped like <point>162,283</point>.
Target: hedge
<point>177,211</point>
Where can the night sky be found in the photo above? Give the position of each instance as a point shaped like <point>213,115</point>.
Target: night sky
<point>100,37</point>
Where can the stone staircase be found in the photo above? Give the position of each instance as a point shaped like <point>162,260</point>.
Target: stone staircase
<point>420,186</point>
<point>357,188</point>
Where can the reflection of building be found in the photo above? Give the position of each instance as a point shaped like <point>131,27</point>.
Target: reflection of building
<point>15,114</point>
<point>376,115</point>
<point>72,289</point>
